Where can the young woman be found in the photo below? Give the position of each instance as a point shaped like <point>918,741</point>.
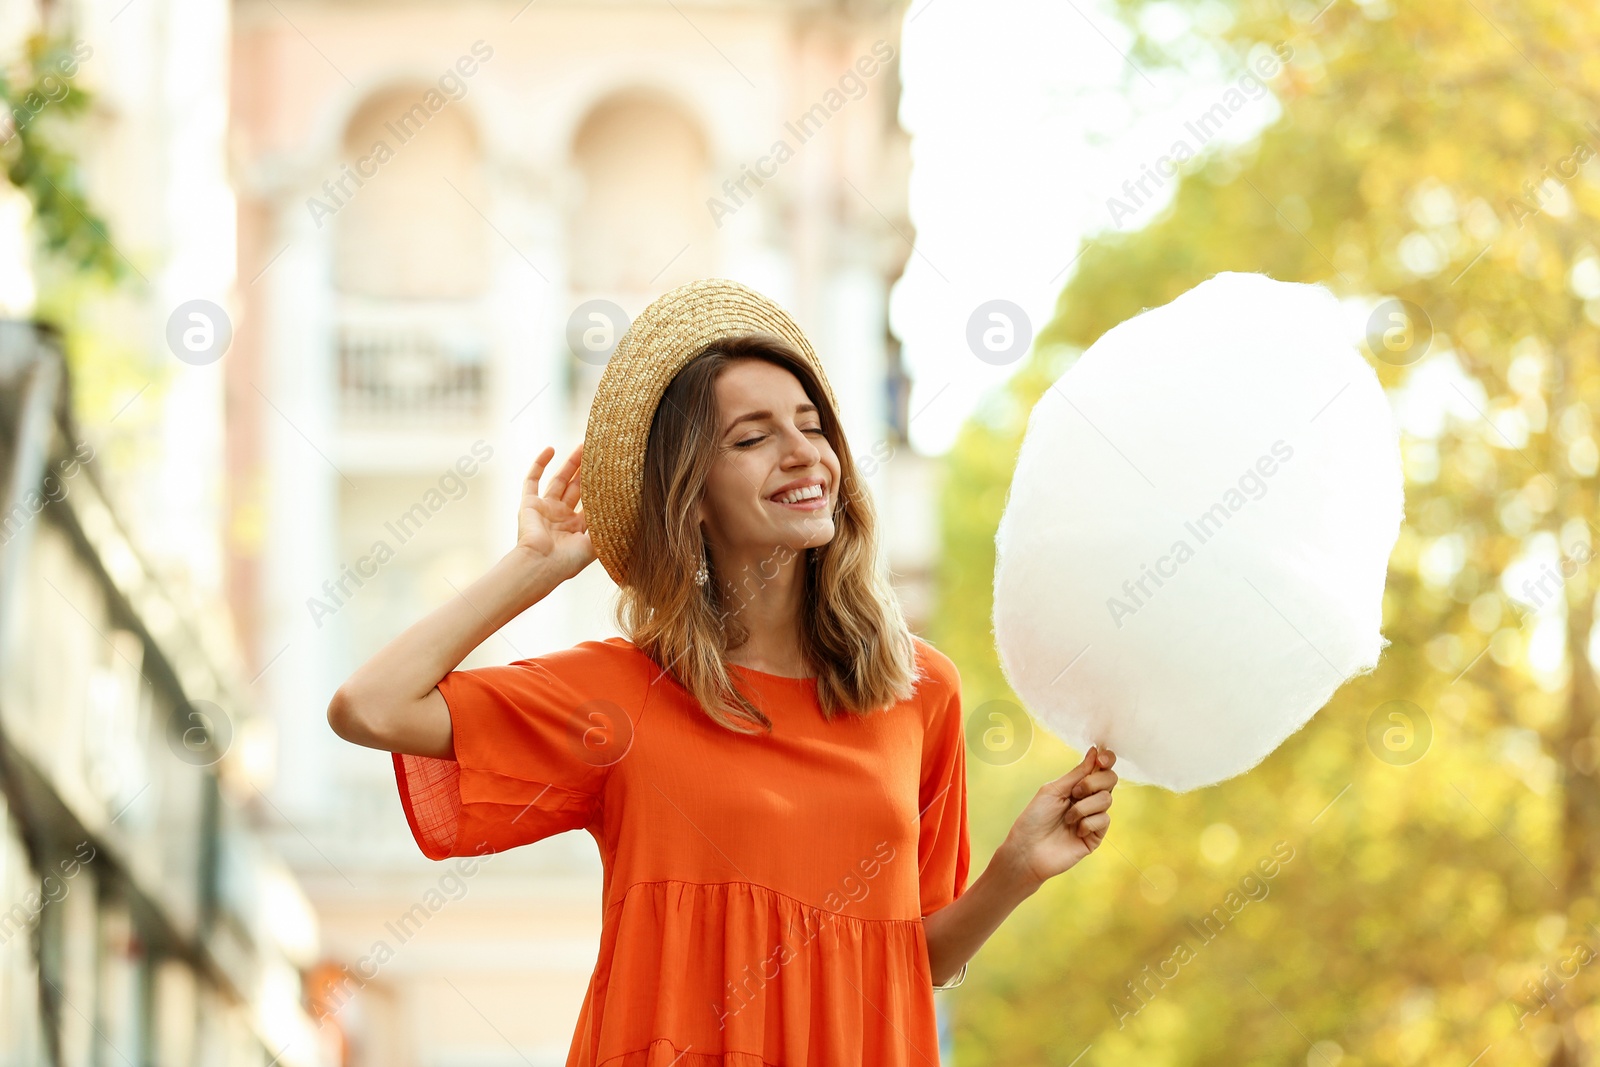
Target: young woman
<point>772,765</point>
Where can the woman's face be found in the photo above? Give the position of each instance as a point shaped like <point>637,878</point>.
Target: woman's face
<point>769,443</point>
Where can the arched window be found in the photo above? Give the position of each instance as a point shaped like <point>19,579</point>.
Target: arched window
<point>411,229</point>
<point>641,223</point>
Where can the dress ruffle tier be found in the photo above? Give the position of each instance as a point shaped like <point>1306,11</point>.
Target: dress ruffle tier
<point>771,973</point>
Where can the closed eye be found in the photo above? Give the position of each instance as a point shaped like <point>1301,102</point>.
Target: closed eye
<point>748,441</point>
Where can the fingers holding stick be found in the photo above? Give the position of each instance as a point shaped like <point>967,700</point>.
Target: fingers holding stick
<point>1093,804</point>
<point>1094,824</point>
<point>1064,785</point>
<point>1089,796</point>
<point>1101,779</point>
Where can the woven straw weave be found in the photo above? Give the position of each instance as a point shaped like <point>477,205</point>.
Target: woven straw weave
<point>674,329</point>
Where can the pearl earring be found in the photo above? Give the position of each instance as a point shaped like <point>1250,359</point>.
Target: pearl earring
<point>701,574</point>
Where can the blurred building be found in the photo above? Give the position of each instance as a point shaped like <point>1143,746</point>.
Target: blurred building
<point>447,213</point>
<point>142,919</point>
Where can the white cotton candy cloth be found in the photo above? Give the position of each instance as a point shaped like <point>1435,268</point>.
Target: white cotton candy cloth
<point>1193,549</point>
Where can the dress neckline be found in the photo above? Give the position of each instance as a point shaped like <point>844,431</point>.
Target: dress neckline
<point>810,678</point>
<point>767,674</point>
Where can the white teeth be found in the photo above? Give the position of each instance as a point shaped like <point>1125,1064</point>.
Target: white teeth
<point>810,492</point>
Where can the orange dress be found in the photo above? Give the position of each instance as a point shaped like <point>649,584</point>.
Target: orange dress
<point>763,893</point>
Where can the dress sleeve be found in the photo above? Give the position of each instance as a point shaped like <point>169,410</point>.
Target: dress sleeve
<point>943,846</point>
<point>534,742</point>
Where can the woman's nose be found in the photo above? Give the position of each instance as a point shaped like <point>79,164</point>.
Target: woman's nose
<point>802,449</point>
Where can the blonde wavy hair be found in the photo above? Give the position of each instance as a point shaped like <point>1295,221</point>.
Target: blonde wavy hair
<point>853,635</point>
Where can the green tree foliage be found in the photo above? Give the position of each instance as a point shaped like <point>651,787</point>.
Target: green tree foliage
<point>1429,911</point>
<point>86,286</point>
<point>38,93</point>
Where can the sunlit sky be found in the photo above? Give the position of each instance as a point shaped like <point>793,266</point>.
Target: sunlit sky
<point>1026,117</point>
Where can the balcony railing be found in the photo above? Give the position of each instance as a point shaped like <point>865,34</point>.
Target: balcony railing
<point>403,367</point>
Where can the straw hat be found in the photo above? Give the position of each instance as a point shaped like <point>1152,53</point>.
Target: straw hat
<point>665,337</point>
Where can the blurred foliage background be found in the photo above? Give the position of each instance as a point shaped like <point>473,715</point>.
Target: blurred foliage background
<point>88,290</point>
<point>1439,903</point>
<point>36,151</point>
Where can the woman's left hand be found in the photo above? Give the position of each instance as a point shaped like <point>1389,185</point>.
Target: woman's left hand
<point>1066,820</point>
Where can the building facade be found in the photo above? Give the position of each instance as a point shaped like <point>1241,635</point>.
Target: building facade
<point>143,918</point>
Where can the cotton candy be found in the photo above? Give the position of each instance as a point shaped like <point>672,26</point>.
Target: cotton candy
<point>1192,554</point>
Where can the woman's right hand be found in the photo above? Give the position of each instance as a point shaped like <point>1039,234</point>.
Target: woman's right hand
<point>549,524</point>
<point>392,701</point>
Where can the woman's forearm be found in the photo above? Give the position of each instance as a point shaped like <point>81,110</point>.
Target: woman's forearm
<point>956,931</point>
<point>409,666</point>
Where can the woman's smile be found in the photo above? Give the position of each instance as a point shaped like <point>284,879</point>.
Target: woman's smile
<point>808,495</point>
